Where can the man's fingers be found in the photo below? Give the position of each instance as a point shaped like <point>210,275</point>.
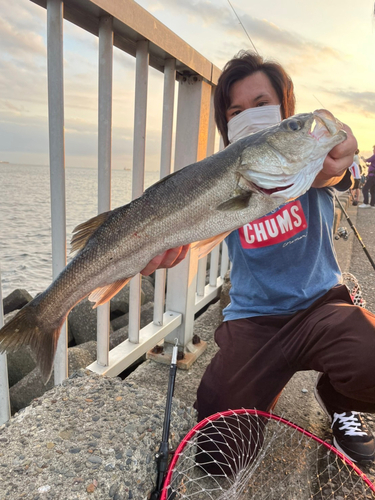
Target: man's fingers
<point>168,259</point>
<point>341,156</point>
<point>181,256</point>
<point>153,264</point>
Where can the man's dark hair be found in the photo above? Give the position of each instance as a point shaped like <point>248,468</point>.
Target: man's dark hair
<point>245,64</point>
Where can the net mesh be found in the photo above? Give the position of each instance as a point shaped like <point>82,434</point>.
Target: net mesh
<point>354,288</point>
<point>251,456</point>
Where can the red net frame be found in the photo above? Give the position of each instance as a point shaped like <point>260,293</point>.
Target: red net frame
<point>244,454</point>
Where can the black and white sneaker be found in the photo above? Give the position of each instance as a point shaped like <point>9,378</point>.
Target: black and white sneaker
<point>351,435</point>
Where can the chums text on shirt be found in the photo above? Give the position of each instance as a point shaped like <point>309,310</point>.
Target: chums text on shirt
<point>275,228</point>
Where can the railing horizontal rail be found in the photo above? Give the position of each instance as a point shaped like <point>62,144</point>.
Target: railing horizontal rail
<point>131,22</point>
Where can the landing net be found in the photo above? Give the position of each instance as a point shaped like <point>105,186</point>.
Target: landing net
<point>249,454</point>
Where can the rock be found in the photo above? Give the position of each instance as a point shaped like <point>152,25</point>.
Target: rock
<point>120,302</point>
<point>120,322</point>
<point>27,389</point>
<point>224,296</point>
<point>16,300</point>
<point>117,337</point>
<point>82,322</point>
<point>148,290</point>
<point>72,446</point>
<point>32,386</point>
<point>19,363</point>
<point>147,314</point>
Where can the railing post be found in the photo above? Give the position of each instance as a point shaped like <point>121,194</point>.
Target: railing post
<point>202,264</point>
<point>57,162</point>
<point>191,145</point>
<point>104,161</point>
<point>139,152</point>
<point>165,168</point>
<point>4,387</point>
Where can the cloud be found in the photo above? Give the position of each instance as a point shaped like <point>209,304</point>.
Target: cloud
<point>20,31</point>
<point>291,48</point>
<point>209,12</point>
<point>354,101</point>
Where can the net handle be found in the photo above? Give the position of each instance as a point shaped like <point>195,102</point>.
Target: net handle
<point>269,416</point>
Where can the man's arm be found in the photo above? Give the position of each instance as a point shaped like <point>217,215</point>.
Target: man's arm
<point>337,162</point>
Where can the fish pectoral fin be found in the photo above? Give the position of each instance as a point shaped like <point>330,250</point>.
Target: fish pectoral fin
<point>83,232</point>
<point>204,247</point>
<point>102,295</point>
<point>237,203</point>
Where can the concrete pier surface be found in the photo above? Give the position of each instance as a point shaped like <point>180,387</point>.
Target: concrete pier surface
<point>95,437</point>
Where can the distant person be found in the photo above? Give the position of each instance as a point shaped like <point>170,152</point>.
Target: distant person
<point>355,170</point>
<point>369,184</point>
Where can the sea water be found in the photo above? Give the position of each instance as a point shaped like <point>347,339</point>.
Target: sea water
<point>25,218</point>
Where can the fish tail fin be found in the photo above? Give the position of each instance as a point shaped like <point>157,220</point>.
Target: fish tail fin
<point>26,330</point>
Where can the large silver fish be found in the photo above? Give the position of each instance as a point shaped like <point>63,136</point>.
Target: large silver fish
<point>203,201</point>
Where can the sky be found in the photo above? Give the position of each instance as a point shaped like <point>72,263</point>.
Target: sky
<point>327,46</point>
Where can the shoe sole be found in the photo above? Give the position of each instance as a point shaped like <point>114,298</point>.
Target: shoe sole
<point>356,459</point>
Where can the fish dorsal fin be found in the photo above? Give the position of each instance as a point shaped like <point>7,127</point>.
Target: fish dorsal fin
<point>204,247</point>
<point>83,232</point>
<point>102,295</point>
<point>237,203</point>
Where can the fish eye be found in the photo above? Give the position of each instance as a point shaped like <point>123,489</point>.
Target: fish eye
<point>295,125</point>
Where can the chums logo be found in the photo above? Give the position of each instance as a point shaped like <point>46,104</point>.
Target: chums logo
<point>275,228</point>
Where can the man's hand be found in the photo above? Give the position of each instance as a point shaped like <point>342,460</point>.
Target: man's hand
<point>168,259</point>
<point>337,161</point>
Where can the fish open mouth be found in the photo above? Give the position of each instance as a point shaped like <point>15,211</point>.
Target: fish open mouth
<point>324,124</point>
<point>271,191</point>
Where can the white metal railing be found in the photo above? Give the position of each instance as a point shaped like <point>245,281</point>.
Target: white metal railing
<point>4,393</point>
<point>131,28</point>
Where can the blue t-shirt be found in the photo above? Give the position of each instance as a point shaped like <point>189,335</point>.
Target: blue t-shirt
<point>285,260</point>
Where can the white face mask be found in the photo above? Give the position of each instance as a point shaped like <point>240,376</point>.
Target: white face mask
<point>252,120</point>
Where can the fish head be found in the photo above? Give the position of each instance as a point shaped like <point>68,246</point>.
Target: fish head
<point>282,161</point>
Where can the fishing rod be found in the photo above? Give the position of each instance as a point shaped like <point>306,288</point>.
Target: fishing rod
<point>161,456</point>
<point>344,234</point>
<point>243,27</point>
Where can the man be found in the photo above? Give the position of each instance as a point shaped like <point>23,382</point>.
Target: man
<point>288,311</point>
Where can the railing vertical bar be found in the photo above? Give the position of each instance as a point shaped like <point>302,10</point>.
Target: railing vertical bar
<point>139,152</point>
<point>214,266</point>
<point>4,389</point>
<point>165,169</point>
<point>57,162</point>
<point>201,277</point>
<point>215,254</point>
<point>224,260</point>
<point>104,161</point>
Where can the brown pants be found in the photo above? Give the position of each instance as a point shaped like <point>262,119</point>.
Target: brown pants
<point>259,355</point>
